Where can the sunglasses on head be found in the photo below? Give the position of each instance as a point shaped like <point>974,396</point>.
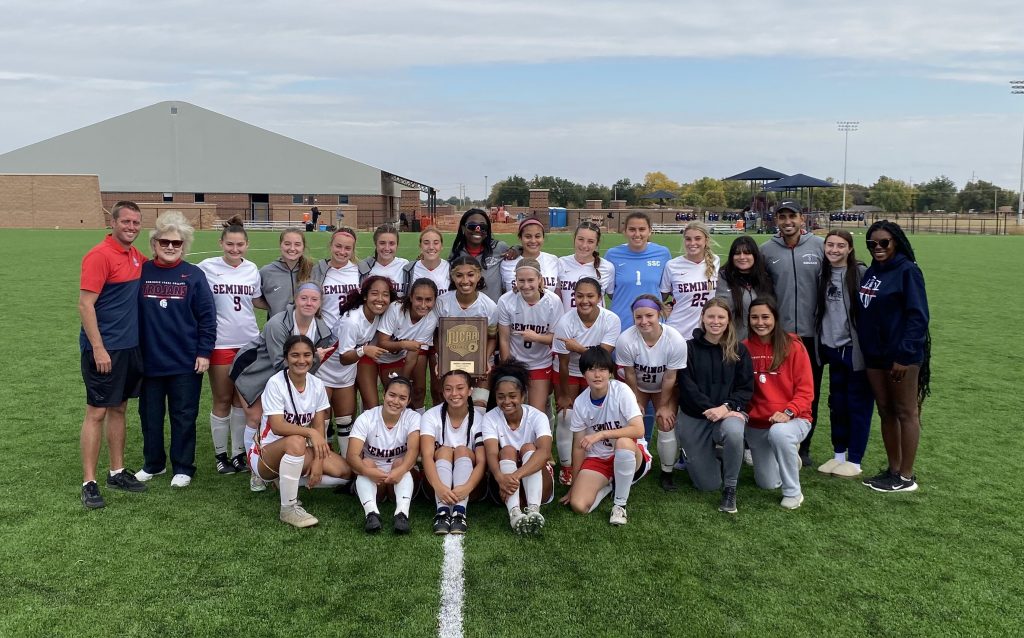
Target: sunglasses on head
<point>881,243</point>
<point>475,226</point>
<point>175,243</point>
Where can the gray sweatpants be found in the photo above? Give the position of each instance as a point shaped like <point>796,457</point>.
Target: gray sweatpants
<point>776,456</point>
<point>698,437</point>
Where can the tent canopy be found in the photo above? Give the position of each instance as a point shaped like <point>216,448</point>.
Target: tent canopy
<point>757,174</point>
<point>799,180</point>
<point>659,195</point>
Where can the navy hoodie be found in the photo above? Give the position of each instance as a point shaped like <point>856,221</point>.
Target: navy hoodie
<point>893,321</point>
<point>707,381</point>
<point>177,318</point>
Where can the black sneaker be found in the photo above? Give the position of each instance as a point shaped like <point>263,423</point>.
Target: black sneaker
<point>442,522</point>
<point>728,502</point>
<point>224,466</point>
<point>806,460</point>
<point>459,524</point>
<point>372,525</point>
<point>91,497</point>
<point>891,483</point>
<point>125,480</point>
<point>239,463</point>
<point>401,524</point>
<point>883,477</point>
<point>905,485</point>
<point>667,483</point>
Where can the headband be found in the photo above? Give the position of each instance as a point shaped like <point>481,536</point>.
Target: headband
<point>347,231</point>
<point>530,220</point>
<point>646,303</point>
<point>308,285</point>
<point>509,377</point>
<point>530,266</point>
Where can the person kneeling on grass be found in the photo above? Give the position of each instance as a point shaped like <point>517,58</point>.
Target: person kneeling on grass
<point>453,453</point>
<point>608,449</point>
<point>292,438</point>
<point>382,450</point>
<point>517,440</point>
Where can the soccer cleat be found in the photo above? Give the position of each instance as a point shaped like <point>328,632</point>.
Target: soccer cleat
<point>181,480</point>
<point>125,480</point>
<point>372,525</point>
<point>565,476</point>
<point>91,497</point>
<point>728,502</point>
<point>256,483</point>
<point>884,477</point>
<point>295,516</point>
<point>442,522</point>
<point>666,481</point>
<point>846,470</point>
<point>618,516</point>
<point>458,524</point>
<point>829,465</point>
<point>238,462</point>
<point>792,502</point>
<point>401,523</point>
<point>534,523</point>
<point>748,457</point>
<point>224,466</point>
<point>517,520</point>
<point>144,476</point>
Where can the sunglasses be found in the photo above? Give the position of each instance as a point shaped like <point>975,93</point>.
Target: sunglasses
<point>174,243</point>
<point>743,251</point>
<point>475,226</point>
<point>881,243</point>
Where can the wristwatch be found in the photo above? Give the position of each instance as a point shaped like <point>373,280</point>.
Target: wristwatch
<point>360,351</point>
<point>789,413</point>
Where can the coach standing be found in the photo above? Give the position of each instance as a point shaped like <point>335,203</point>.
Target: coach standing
<point>793,258</point>
<point>111,358</point>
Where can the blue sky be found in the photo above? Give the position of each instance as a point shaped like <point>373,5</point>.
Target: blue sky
<point>447,92</point>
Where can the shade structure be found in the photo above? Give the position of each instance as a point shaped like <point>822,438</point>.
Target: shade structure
<point>799,180</point>
<point>757,174</point>
<point>659,195</point>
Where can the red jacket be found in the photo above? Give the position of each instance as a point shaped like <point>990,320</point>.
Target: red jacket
<point>791,386</point>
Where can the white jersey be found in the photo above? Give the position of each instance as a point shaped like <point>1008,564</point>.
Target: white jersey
<point>234,288</point>
<point>691,288</point>
<point>532,426</point>
<point>615,412</point>
<point>353,331</point>
<point>605,331</point>
<point>338,284</point>
<point>548,270</point>
<point>449,306</point>
<point>541,317</point>
<point>440,275</point>
<point>384,446</point>
<point>297,408</point>
<point>399,326</point>
<point>650,362</point>
<point>570,271</point>
<point>452,434</point>
<point>392,271</point>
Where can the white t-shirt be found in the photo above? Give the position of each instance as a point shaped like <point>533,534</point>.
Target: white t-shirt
<point>453,434</point>
<point>548,270</point>
<point>570,271</point>
<point>311,332</point>
<point>234,288</point>
<point>604,331</point>
<point>276,400</point>
<point>338,284</point>
<point>650,362</point>
<point>353,330</point>
<point>448,306</point>
<point>532,426</point>
<point>392,271</point>
<point>514,312</point>
<point>615,412</point>
<point>690,288</point>
<point>384,446</point>
<point>398,325</point>
<point>440,275</point>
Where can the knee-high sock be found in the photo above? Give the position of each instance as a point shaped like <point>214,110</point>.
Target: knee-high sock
<point>248,437</point>
<point>668,450</point>
<point>563,438</point>
<point>444,472</point>
<point>507,467</point>
<point>237,423</point>
<point>601,493</point>
<point>461,473</point>
<point>219,431</point>
<point>532,484</point>
<point>343,427</point>
<point>625,468</point>
<point>403,494</point>
<point>367,492</point>
<point>289,471</point>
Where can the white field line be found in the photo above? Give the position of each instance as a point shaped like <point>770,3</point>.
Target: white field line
<point>449,616</point>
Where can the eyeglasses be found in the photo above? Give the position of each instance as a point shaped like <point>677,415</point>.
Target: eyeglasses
<point>881,243</point>
<point>174,243</point>
<point>475,226</point>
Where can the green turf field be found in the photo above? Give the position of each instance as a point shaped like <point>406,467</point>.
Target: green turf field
<point>213,560</point>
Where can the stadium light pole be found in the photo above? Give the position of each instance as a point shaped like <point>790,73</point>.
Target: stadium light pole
<point>1017,88</point>
<point>845,126</point>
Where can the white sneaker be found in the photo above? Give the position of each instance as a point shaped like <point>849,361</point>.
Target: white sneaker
<point>180,480</point>
<point>144,476</point>
<point>748,458</point>
<point>618,516</point>
<point>297,517</point>
<point>534,520</point>
<point>256,484</point>
<point>517,520</point>
<point>792,502</point>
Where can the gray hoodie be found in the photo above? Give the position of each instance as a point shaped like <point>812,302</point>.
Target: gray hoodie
<point>278,285</point>
<point>835,321</point>
<point>795,273</point>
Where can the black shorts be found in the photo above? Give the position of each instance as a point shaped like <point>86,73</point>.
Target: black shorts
<point>123,382</point>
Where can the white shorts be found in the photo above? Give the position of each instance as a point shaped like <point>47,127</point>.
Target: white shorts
<point>336,375</point>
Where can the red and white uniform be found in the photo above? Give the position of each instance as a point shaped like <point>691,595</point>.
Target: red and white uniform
<point>650,362</point>
<point>615,412</point>
<point>353,331</point>
<point>399,326</point>
<point>690,288</point>
<point>541,317</point>
<point>277,401</point>
<point>234,288</point>
<point>605,331</point>
<point>392,271</point>
<point>448,306</point>
<point>570,271</point>
<point>452,434</point>
<point>383,445</point>
<point>532,426</point>
<point>548,270</point>
<point>440,275</point>
<point>338,284</point>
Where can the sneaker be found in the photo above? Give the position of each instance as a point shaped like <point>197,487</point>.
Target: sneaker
<point>792,502</point>
<point>401,523</point>
<point>884,477</point>
<point>224,466</point>
<point>534,523</point>
<point>894,483</point>
<point>239,463</point>
<point>806,460</point>
<point>180,480</point>
<point>256,483</point>
<point>618,516</point>
<point>565,476</point>
<point>829,465</point>
<point>459,524</point>
<point>846,470</point>
<point>295,516</point>
<point>681,463</point>
<point>748,457</point>
<point>125,480</point>
<point>517,519</point>
<point>667,483</point>
<point>442,522</point>
<point>144,476</point>
<point>906,485</point>
<point>728,502</point>
<point>91,497</point>
<point>372,525</point>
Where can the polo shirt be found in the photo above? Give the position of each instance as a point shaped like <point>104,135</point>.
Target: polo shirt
<point>112,271</point>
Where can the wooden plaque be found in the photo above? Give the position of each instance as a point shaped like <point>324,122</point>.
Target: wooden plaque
<point>461,345</point>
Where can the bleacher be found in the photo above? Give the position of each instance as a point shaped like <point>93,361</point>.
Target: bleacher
<point>719,229</point>
<point>273,225</point>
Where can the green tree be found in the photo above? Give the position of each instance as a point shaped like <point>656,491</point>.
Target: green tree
<point>626,190</point>
<point>513,191</point>
<point>938,193</point>
<point>980,195</point>
<point>737,194</point>
<point>707,192</point>
<point>658,181</point>
<point>561,191</point>
<point>891,195</point>
<point>598,191</point>
<point>830,199</point>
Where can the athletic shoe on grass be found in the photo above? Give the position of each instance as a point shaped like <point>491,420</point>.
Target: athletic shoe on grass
<point>295,516</point>
<point>91,498</point>
<point>666,481</point>
<point>792,502</point>
<point>125,480</point>
<point>565,476</point>
<point>517,520</point>
<point>728,502</point>
<point>442,522</point>
<point>895,483</point>
<point>239,463</point>
<point>907,485</point>
<point>257,484</point>
<point>458,524</point>
<point>881,480</point>
<point>372,525</point>
<point>618,516</point>
<point>144,476</point>
<point>534,523</point>
<point>224,466</point>
<point>401,523</point>
<point>829,465</point>
<point>181,480</point>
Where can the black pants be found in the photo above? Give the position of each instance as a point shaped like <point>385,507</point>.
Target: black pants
<point>178,397</point>
<point>816,370</point>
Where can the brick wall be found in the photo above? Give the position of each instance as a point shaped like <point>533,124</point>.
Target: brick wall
<point>46,201</point>
<point>539,198</point>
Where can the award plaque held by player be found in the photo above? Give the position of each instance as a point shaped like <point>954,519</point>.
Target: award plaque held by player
<point>461,345</point>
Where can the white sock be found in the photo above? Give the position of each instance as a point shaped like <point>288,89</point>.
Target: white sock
<point>325,482</point>
<point>856,465</point>
<point>508,466</point>
<point>116,472</point>
<point>248,437</point>
<point>219,431</point>
<point>367,492</point>
<point>290,471</point>
<point>237,423</point>
<point>625,468</point>
<point>532,484</point>
<point>461,473</point>
<point>444,472</point>
<point>403,494</point>
<point>668,450</point>
<point>601,493</point>
<point>563,438</point>
<point>342,428</point>
<point>840,456</point>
